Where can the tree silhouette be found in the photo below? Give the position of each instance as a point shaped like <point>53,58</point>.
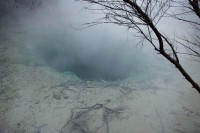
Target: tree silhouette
<point>143,16</point>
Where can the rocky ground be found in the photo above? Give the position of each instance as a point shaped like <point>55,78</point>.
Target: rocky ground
<point>34,98</point>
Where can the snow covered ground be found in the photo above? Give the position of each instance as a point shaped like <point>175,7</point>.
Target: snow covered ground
<point>35,98</point>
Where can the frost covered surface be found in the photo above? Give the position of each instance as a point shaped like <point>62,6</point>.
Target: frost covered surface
<point>35,97</point>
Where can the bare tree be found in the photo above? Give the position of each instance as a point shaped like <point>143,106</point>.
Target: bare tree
<point>142,16</point>
<point>195,6</point>
<point>184,10</point>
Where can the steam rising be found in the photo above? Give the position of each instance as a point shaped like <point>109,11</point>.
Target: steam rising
<point>100,52</point>
<point>94,60</point>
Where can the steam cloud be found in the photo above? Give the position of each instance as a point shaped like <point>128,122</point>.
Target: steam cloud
<point>100,52</point>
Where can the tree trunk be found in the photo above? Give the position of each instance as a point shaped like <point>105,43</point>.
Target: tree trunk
<point>182,70</point>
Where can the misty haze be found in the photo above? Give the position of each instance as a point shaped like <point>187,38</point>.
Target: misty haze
<point>59,74</point>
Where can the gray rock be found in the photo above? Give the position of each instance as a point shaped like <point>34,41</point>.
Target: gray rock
<point>108,100</point>
<point>57,96</point>
<point>66,97</point>
<point>4,128</point>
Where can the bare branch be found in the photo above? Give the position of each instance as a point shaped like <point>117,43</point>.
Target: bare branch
<point>142,17</point>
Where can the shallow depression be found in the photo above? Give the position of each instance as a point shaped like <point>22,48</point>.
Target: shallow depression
<point>55,79</point>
